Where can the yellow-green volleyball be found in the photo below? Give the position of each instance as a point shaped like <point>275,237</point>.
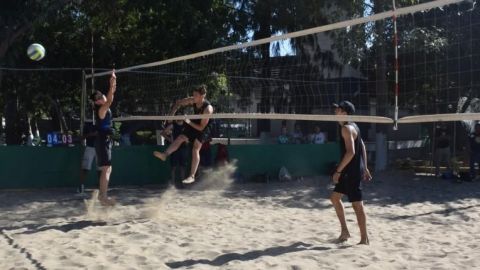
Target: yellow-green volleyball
<point>36,52</point>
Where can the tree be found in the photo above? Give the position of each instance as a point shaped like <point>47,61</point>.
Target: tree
<point>18,19</point>
<point>265,18</point>
<point>124,33</point>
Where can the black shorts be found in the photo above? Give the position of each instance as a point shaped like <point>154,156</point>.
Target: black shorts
<point>193,134</point>
<point>103,149</point>
<point>179,157</point>
<point>350,185</point>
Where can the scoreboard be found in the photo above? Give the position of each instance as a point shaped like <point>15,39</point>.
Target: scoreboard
<point>59,139</point>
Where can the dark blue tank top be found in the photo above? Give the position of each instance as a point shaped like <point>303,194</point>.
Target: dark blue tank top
<point>104,126</point>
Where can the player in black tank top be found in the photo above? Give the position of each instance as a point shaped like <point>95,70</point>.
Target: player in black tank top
<point>103,141</point>
<point>355,168</point>
<point>351,170</point>
<point>196,131</point>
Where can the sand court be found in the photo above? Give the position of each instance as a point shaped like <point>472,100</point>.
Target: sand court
<point>413,222</point>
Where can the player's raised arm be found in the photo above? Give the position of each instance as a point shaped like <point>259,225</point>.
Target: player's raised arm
<point>182,103</point>
<point>111,91</point>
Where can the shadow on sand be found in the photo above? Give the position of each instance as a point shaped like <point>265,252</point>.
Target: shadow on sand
<point>251,255</point>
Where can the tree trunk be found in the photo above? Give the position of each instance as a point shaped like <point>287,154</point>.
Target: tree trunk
<point>58,119</point>
<point>381,88</point>
<point>13,135</point>
<point>381,85</point>
<point>264,32</point>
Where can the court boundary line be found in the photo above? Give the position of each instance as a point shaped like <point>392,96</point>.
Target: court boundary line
<point>38,265</point>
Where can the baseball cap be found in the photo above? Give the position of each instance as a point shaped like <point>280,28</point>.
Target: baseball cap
<point>346,106</point>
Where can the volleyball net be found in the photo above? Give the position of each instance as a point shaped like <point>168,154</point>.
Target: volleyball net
<point>410,64</point>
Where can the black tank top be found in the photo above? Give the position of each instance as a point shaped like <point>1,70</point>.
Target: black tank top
<point>200,110</point>
<point>355,167</point>
<point>104,126</point>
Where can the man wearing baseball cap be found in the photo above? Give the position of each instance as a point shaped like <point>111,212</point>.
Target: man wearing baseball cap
<point>351,170</point>
<point>346,106</point>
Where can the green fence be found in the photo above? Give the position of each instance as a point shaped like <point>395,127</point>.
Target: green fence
<point>299,159</point>
<point>43,167</point>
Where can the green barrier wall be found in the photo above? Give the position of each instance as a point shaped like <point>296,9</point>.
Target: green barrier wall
<point>38,167</point>
<point>43,167</point>
<point>299,159</point>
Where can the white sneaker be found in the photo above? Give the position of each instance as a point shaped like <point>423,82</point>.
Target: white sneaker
<point>188,180</point>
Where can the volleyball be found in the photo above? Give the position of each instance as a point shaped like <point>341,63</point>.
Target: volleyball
<point>36,52</point>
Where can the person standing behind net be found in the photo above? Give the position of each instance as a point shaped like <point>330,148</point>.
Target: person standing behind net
<point>178,159</point>
<point>283,138</point>
<point>442,153</point>
<point>196,131</point>
<point>349,173</point>
<point>89,155</point>
<point>474,151</point>
<point>297,136</point>
<point>318,137</point>
<point>103,141</point>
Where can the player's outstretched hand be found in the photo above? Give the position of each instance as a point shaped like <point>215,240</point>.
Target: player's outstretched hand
<point>113,79</point>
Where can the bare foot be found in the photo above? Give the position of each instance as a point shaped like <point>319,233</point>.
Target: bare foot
<point>344,235</point>
<point>106,201</point>
<point>364,242</point>
<point>160,155</point>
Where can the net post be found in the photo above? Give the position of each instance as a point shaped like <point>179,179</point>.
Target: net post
<point>395,44</point>
<point>83,102</point>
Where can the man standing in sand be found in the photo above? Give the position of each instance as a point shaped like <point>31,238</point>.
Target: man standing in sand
<point>103,140</point>
<point>196,131</point>
<point>349,174</point>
